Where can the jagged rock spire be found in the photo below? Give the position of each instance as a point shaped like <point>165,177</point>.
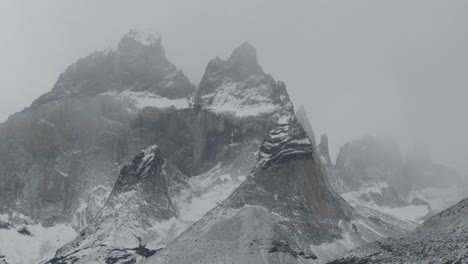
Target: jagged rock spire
<point>243,62</point>
<point>239,87</point>
<point>138,64</point>
<point>324,150</point>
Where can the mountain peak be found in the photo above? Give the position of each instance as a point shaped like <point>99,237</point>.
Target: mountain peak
<point>245,51</point>
<point>142,38</point>
<point>137,44</point>
<point>243,61</point>
<point>239,87</point>
<point>146,164</point>
<point>138,65</point>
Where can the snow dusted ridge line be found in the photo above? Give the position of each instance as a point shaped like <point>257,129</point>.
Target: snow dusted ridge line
<point>235,99</point>
<point>146,99</point>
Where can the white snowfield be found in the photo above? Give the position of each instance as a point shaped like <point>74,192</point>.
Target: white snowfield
<point>146,99</point>
<point>235,99</point>
<point>412,213</point>
<point>39,245</point>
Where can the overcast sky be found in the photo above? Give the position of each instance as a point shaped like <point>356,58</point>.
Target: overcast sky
<point>396,68</point>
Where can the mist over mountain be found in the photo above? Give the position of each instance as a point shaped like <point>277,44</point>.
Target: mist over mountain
<point>125,160</point>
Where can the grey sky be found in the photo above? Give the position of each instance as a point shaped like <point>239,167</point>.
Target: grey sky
<point>390,68</point>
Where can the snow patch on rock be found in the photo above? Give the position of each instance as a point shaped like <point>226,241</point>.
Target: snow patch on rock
<point>39,246</point>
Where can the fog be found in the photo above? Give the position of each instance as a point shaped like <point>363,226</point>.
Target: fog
<point>388,68</point>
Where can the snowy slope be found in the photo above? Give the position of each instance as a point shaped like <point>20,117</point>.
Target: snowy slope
<point>135,224</point>
<point>239,87</point>
<point>146,99</point>
<point>378,195</point>
<point>441,239</point>
<point>23,242</point>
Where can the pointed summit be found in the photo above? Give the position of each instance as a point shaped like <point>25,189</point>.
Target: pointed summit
<point>243,61</point>
<point>239,87</point>
<point>140,200</point>
<point>137,44</point>
<point>142,38</point>
<point>138,65</point>
<point>324,150</point>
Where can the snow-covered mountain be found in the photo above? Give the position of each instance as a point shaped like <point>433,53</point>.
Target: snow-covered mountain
<point>137,70</point>
<point>223,152</point>
<point>124,160</point>
<point>64,151</point>
<point>441,239</point>
<point>239,87</point>
<point>284,212</point>
<point>60,158</point>
<point>151,203</point>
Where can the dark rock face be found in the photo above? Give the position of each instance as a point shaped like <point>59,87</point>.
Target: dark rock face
<point>146,172</point>
<point>137,64</point>
<point>239,87</point>
<point>236,103</point>
<point>52,156</point>
<point>243,62</point>
<point>288,169</point>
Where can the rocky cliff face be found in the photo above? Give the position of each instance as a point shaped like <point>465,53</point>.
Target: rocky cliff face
<point>284,212</point>
<point>239,87</point>
<point>213,151</point>
<point>262,221</point>
<point>236,102</point>
<point>61,157</point>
